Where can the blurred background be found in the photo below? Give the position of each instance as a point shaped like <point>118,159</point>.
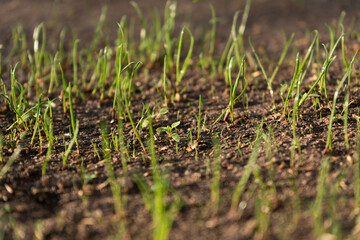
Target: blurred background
<point>266,16</point>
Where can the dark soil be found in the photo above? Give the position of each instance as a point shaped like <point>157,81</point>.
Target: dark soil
<point>66,208</point>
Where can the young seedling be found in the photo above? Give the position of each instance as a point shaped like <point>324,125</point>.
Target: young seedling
<point>200,125</point>
<point>282,57</point>
<point>215,182</point>
<point>233,91</point>
<point>347,92</point>
<point>300,71</point>
<point>165,81</point>
<point>38,53</point>
<point>104,73</point>
<point>198,120</point>
<point>48,129</point>
<point>72,118</point>
<point>169,130</point>
<point>75,62</point>
<point>168,27</point>
<point>180,73</point>
<point>68,148</point>
<point>295,114</point>
<point>37,124</point>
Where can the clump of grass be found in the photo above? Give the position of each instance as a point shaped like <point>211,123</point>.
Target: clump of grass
<point>15,102</point>
<point>300,71</point>
<point>331,118</point>
<point>321,82</point>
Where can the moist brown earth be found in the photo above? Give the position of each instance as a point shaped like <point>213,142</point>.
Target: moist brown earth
<point>60,205</point>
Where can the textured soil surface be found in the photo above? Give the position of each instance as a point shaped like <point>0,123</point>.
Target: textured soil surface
<point>61,205</point>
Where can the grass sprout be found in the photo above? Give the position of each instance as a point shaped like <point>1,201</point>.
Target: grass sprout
<point>68,148</point>
<point>181,72</point>
<point>39,52</point>
<point>281,59</point>
<point>347,93</point>
<point>333,109</point>
<point>168,28</point>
